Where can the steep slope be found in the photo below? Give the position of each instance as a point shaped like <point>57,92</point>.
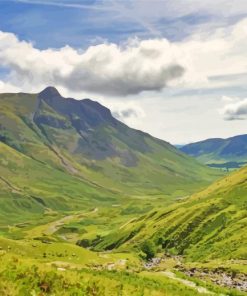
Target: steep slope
<point>208,225</point>
<point>30,189</point>
<point>219,151</point>
<point>81,138</point>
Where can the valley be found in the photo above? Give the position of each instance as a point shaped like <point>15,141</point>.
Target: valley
<point>89,206</point>
<point>53,249</point>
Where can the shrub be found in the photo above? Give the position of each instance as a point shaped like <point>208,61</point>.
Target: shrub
<point>149,249</point>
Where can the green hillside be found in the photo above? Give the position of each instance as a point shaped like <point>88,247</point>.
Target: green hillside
<point>30,187</point>
<point>208,225</point>
<point>222,153</point>
<point>102,251</point>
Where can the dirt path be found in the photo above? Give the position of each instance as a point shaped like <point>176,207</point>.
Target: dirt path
<point>187,283</point>
<point>54,226</point>
<point>128,222</point>
<point>11,187</point>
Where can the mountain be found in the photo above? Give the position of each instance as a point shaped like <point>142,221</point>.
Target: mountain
<point>231,152</point>
<point>62,153</point>
<point>208,225</point>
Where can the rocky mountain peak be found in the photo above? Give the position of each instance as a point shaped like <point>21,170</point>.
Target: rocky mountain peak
<point>49,92</point>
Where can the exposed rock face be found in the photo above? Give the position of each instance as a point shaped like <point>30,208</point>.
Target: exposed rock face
<point>83,114</point>
<point>91,122</point>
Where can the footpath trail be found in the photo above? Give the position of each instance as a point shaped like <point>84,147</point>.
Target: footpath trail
<point>51,227</point>
<point>54,226</point>
<point>128,222</point>
<point>199,289</point>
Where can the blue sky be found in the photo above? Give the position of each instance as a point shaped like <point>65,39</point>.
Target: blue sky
<point>55,23</point>
<point>160,60</point>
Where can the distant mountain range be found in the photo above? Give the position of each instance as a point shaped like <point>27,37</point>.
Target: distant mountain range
<point>56,150</point>
<point>231,152</point>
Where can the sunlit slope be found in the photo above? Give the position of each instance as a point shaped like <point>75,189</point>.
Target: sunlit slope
<point>208,225</point>
<point>82,139</point>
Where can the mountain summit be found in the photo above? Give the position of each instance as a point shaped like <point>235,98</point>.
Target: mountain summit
<point>49,91</point>
<point>81,114</point>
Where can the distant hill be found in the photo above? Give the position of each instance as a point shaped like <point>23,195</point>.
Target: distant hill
<point>61,153</point>
<point>231,152</point>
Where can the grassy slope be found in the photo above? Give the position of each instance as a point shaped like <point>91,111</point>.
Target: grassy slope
<point>208,225</point>
<point>21,277</point>
<point>29,266</point>
<point>29,187</point>
<point>33,268</point>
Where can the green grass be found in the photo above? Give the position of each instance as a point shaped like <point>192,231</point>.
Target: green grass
<point>29,188</point>
<point>205,226</point>
<point>23,277</point>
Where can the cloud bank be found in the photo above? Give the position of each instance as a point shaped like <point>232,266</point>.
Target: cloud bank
<point>105,68</point>
<point>129,69</point>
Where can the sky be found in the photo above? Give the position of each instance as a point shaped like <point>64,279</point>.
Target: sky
<point>175,69</point>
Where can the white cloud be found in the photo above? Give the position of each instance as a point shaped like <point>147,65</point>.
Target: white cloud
<point>104,68</point>
<point>226,99</point>
<point>235,111</point>
<point>8,88</point>
<point>136,66</point>
<point>125,113</point>
<point>211,7</point>
<point>128,113</point>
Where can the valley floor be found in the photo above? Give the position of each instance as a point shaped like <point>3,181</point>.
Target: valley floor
<point>44,259</point>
